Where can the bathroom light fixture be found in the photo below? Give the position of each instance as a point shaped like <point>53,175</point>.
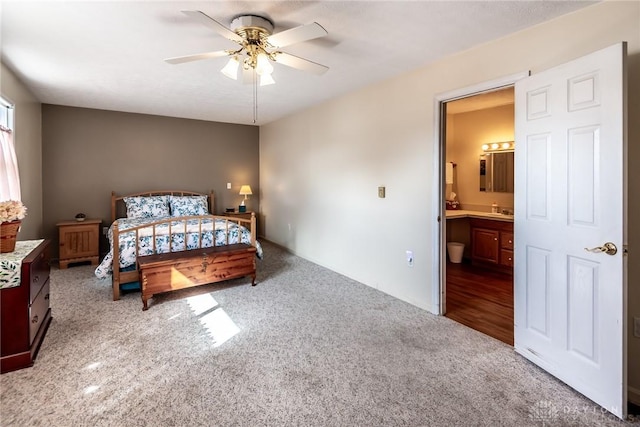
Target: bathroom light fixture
<point>499,146</point>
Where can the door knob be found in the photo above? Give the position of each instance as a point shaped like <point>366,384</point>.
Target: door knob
<point>608,248</point>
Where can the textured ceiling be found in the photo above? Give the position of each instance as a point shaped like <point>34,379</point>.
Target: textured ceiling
<point>109,55</point>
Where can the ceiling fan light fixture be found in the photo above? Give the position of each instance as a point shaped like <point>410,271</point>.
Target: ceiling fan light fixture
<point>231,69</point>
<point>266,80</point>
<point>263,66</point>
<point>254,35</point>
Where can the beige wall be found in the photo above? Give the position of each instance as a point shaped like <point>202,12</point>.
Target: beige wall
<point>28,142</point>
<point>89,153</point>
<point>466,132</point>
<point>320,168</point>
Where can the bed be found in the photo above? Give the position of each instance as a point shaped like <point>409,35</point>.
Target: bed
<point>166,222</point>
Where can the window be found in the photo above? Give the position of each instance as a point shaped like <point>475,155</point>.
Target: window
<point>6,114</point>
<point>9,176</point>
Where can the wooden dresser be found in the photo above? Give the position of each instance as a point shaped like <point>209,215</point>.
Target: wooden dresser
<point>26,314</point>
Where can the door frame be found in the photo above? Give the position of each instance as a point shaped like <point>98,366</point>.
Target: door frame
<point>438,297</point>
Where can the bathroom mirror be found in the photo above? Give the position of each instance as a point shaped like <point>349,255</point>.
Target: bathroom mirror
<point>496,172</point>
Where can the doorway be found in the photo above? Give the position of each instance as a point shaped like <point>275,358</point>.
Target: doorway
<point>478,150</point>
<point>571,128</point>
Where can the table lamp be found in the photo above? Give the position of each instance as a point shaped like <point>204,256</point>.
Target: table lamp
<point>245,191</point>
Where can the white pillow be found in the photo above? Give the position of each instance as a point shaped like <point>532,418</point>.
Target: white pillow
<point>147,206</point>
<point>188,205</point>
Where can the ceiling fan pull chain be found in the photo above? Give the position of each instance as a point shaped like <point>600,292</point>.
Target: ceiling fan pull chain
<point>255,97</point>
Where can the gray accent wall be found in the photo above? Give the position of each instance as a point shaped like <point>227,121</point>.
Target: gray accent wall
<point>89,153</point>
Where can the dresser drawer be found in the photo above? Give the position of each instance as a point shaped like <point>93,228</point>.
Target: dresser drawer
<point>38,311</point>
<point>38,273</point>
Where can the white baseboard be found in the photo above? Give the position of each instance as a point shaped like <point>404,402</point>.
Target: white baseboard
<point>633,395</point>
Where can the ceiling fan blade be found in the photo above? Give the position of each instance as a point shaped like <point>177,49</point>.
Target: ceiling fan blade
<point>297,35</point>
<point>300,63</point>
<point>196,57</point>
<point>213,24</point>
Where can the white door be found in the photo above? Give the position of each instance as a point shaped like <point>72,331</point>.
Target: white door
<point>570,303</point>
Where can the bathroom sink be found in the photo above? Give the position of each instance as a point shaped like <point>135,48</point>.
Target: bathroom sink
<point>498,215</point>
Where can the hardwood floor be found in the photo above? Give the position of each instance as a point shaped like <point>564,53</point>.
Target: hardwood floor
<point>481,299</point>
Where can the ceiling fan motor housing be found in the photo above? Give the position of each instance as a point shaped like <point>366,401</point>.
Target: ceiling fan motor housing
<point>252,27</point>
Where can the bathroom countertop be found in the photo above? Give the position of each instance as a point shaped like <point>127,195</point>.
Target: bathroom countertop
<point>461,213</point>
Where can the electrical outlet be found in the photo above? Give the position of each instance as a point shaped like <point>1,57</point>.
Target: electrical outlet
<point>410,258</point>
<point>381,192</point>
<point>228,186</point>
<point>105,230</point>
<point>636,327</point>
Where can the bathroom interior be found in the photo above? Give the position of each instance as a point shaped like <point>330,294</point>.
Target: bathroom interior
<point>479,191</point>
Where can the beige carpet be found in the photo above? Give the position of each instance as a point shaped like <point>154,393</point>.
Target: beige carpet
<point>305,347</point>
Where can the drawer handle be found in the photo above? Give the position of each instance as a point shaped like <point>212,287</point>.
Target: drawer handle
<point>510,241</point>
<point>495,238</point>
<point>35,319</point>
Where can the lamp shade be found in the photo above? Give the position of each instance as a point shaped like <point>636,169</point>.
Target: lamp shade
<point>245,191</point>
<point>263,66</point>
<point>231,69</point>
<point>266,80</point>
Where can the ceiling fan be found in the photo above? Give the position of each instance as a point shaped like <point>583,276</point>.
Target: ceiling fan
<point>258,46</point>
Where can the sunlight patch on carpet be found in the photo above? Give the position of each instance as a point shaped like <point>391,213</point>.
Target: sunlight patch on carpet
<point>217,322</point>
<point>92,366</point>
<point>91,389</point>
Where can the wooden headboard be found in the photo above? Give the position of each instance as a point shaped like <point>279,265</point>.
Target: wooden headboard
<point>118,206</point>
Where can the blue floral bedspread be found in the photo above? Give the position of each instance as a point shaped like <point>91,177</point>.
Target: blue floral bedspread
<point>204,235</point>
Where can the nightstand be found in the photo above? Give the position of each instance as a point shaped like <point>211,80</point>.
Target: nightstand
<point>79,241</point>
<point>243,215</point>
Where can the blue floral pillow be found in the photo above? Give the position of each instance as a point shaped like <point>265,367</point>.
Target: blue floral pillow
<point>147,206</point>
<point>188,205</point>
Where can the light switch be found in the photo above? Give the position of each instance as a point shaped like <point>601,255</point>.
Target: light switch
<point>381,191</point>
<point>228,186</point>
<point>410,258</point>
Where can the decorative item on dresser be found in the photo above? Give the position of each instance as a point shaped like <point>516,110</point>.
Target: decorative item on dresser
<point>169,223</point>
<point>12,212</point>
<point>24,303</point>
<point>79,241</point>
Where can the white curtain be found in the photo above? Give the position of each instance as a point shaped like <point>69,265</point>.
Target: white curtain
<point>9,177</point>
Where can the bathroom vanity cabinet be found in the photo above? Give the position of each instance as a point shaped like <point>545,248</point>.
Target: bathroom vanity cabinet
<point>492,244</point>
